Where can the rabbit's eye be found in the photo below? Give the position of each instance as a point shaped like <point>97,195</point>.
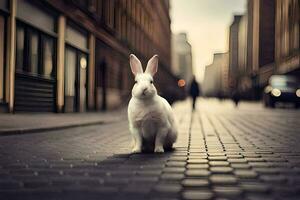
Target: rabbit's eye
<point>135,81</point>
<point>151,82</point>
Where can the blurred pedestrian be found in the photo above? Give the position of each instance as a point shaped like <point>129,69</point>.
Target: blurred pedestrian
<point>194,91</point>
<point>235,97</point>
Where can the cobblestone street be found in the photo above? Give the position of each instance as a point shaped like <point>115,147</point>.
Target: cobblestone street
<point>222,152</point>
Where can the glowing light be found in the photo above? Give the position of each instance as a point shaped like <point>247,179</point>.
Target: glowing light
<point>298,93</point>
<point>276,92</point>
<point>181,83</point>
<point>268,89</point>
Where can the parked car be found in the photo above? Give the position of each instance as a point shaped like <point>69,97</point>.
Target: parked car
<point>282,88</point>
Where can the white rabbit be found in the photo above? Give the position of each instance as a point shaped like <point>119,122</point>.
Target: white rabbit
<point>151,119</point>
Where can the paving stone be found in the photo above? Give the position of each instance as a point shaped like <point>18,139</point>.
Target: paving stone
<point>22,172</point>
<point>217,158</point>
<point>221,170</point>
<point>197,156</point>
<point>62,182</point>
<point>172,176</point>
<point>197,173</point>
<point>255,159</point>
<point>216,154</point>
<point>10,184</point>
<point>178,158</point>
<point>223,179</point>
<point>174,169</point>
<point>197,194</point>
<point>245,174</point>
<point>286,192</point>
<point>163,198</point>
<point>228,192</point>
<point>197,161</point>
<point>254,187</point>
<point>240,166</point>
<point>237,160</point>
<point>274,179</point>
<point>56,172</point>
<point>218,163</point>
<point>200,154</point>
<point>176,163</point>
<point>145,179</point>
<point>197,166</point>
<point>266,170</point>
<point>259,196</point>
<point>149,172</point>
<point>168,188</point>
<point>131,188</point>
<point>192,182</point>
<point>33,184</point>
<point>259,164</point>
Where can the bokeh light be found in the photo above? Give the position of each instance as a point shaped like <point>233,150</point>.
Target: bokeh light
<point>181,83</point>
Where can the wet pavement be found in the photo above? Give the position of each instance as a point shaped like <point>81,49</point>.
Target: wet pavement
<point>222,152</point>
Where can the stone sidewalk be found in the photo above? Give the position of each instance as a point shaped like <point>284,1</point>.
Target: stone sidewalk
<point>37,122</point>
<point>222,153</point>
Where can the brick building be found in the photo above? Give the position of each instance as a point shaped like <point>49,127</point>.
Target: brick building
<point>72,55</point>
<point>287,37</point>
<point>268,44</point>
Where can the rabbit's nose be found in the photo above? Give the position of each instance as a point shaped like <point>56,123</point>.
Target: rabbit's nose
<point>144,90</point>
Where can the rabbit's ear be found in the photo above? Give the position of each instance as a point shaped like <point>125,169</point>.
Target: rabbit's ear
<point>135,64</point>
<point>152,65</point>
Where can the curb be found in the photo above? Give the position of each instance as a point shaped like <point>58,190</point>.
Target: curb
<point>52,128</point>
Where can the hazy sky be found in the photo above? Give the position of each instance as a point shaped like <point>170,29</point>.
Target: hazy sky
<point>206,22</point>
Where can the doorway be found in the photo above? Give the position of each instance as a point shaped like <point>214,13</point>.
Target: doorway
<point>75,80</point>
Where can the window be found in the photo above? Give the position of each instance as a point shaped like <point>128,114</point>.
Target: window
<point>109,13</point>
<point>48,55</point>
<point>35,52</point>
<point>99,8</point>
<point>77,37</point>
<point>76,63</point>
<point>123,34</point>
<point>2,71</point>
<point>20,48</point>
<point>32,14</point>
<point>4,4</point>
<point>92,6</point>
<point>70,72</point>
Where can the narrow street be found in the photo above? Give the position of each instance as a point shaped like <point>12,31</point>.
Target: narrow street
<point>222,152</point>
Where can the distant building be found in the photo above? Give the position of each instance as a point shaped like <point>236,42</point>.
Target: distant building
<point>243,79</point>
<point>215,82</point>
<point>72,55</point>
<point>233,52</point>
<point>182,65</point>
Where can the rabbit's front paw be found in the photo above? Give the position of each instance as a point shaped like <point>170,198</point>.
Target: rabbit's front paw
<point>159,150</point>
<point>136,150</point>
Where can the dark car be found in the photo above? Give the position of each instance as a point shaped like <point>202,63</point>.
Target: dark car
<point>282,88</point>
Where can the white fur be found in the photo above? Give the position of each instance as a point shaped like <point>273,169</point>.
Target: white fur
<point>151,119</point>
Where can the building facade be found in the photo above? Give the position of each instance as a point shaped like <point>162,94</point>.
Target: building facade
<point>72,55</point>
<point>233,52</point>
<point>182,63</point>
<point>268,43</point>
<point>215,83</point>
<point>287,37</point>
